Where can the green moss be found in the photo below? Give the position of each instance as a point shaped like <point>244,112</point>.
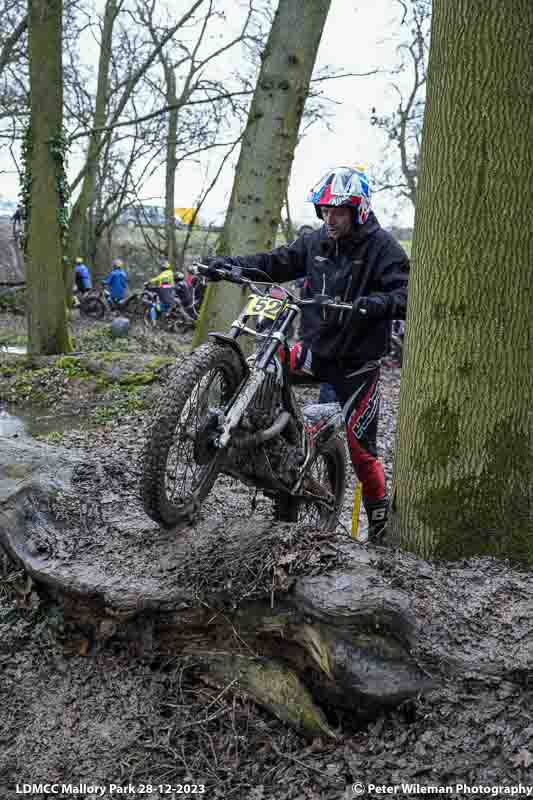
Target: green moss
<point>123,402</point>
<point>54,437</point>
<point>40,399</point>
<point>72,366</point>
<point>110,357</point>
<point>18,471</point>
<point>22,388</point>
<point>13,339</point>
<point>161,361</point>
<point>279,689</point>
<point>487,513</point>
<point>137,379</point>
<point>438,435</point>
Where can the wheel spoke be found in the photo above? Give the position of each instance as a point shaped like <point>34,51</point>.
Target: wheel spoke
<point>183,474</point>
<point>319,482</point>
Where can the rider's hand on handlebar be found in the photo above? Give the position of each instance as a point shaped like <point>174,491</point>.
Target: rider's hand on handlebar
<point>215,264</point>
<point>371,307</point>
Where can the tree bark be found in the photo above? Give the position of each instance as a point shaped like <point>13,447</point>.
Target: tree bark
<point>267,149</point>
<point>462,475</point>
<point>79,212</point>
<point>47,313</point>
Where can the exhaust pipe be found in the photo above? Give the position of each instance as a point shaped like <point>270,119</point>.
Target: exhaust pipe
<point>253,439</point>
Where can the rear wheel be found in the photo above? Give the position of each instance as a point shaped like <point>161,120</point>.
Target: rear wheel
<point>324,481</point>
<point>92,307</point>
<point>179,465</point>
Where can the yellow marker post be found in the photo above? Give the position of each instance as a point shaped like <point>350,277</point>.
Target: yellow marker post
<point>356,507</point>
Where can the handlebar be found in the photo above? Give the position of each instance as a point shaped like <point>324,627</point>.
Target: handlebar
<point>234,274</point>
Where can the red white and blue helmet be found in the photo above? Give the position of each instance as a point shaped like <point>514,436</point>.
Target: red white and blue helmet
<point>343,186</point>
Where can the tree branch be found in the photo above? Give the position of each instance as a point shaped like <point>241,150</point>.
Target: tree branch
<point>11,41</point>
<point>159,112</point>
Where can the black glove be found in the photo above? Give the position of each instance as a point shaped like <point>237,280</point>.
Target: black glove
<point>371,307</point>
<point>214,264</point>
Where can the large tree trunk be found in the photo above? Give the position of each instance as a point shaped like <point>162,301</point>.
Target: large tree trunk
<point>267,149</point>
<point>463,473</point>
<point>47,313</point>
<point>78,216</point>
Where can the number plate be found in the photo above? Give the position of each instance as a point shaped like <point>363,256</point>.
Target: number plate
<point>268,307</point>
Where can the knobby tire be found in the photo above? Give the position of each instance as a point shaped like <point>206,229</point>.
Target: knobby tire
<point>170,430</point>
<point>290,509</point>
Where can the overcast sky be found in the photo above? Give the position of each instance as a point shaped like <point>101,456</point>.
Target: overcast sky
<point>360,35</point>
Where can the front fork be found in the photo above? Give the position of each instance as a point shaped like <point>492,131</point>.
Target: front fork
<point>236,412</point>
<point>257,377</point>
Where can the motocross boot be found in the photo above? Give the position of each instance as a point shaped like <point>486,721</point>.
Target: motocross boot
<point>377,512</point>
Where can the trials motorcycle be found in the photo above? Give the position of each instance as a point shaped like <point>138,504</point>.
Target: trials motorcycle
<point>225,413</point>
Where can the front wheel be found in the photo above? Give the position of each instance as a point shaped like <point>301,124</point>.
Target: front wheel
<point>324,483</point>
<point>133,306</point>
<point>179,462</point>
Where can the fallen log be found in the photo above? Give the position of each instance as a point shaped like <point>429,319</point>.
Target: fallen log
<point>302,623</point>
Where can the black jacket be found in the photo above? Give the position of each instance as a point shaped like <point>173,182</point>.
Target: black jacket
<point>369,262</point>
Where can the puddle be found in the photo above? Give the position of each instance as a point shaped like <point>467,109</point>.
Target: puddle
<point>17,350</point>
<point>33,422</point>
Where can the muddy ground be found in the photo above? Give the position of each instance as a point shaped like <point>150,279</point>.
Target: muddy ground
<point>112,715</point>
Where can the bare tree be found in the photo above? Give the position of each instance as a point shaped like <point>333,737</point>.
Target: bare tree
<point>10,42</point>
<point>105,110</point>
<point>190,63</point>
<point>44,187</point>
<point>403,127</point>
<point>267,148</point>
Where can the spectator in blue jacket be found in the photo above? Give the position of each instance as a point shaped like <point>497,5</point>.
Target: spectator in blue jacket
<point>117,280</point>
<point>82,276</point>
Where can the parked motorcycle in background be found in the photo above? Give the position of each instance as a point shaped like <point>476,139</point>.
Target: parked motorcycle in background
<point>162,307</point>
<point>95,302</point>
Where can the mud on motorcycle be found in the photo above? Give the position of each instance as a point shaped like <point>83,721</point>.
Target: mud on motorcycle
<point>227,414</point>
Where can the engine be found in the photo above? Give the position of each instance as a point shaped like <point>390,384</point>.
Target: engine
<point>276,460</point>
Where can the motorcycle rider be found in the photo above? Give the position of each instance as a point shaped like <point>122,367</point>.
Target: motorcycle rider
<point>164,285</point>
<point>82,276</point>
<point>165,277</point>
<point>117,280</point>
<point>351,259</point>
